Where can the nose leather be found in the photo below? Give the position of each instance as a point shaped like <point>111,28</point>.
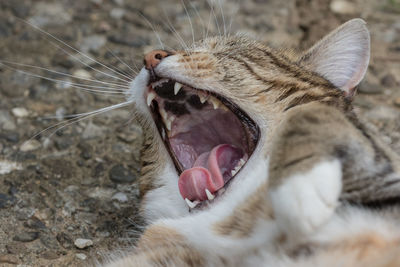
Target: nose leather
<point>152,59</point>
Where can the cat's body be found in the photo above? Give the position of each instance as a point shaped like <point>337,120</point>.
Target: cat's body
<point>313,174</point>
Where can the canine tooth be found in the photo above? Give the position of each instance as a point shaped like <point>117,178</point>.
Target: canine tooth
<point>150,97</point>
<point>210,196</point>
<point>191,204</point>
<point>168,124</point>
<point>177,87</point>
<point>203,97</point>
<point>233,172</point>
<point>215,103</point>
<point>164,114</point>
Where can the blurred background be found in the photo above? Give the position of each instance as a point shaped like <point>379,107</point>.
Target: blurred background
<point>78,182</point>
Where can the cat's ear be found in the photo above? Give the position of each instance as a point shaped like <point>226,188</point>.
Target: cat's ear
<point>342,56</point>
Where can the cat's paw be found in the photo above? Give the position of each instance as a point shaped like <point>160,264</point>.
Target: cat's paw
<point>304,202</point>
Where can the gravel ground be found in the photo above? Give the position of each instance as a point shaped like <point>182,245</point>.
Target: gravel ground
<point>68,196</point>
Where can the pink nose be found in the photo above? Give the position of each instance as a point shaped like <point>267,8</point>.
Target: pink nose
<point>152,59</point>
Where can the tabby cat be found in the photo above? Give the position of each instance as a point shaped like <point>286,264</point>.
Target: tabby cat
<point>254,157</point>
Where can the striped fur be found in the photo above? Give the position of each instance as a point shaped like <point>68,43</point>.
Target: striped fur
<point>305,196</point>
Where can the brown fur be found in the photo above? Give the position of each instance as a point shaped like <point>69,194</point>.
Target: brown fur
<point>309,120</point>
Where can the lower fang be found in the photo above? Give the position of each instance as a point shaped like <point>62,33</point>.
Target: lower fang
<point>191,204</point>
<point>210,196</point>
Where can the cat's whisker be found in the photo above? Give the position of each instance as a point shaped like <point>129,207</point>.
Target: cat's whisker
<point>123,62</point>
<point>212,11</point>
<point>112,85</point>
<point>154,30</point>
<point>78,119</point>
<point>190,20</point>
<point>233,15</point>
<point>84,87</point>
<point>175,32</point>
<point>200,18</point>
<point>223,16</point>
<point>121,78</point>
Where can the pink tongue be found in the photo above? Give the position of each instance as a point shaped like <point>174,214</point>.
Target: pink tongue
<point>211,171</point>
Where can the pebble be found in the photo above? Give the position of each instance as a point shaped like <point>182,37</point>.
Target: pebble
<point>49,14</point>
<point>20,112</point>
<point>10,259</point>
<point>121,197</point>
<point>370,88</point>
<point>12,137</point>
<point>49,255</point>
<point>343,7</point>
<point>64,240</point>
<point>6,121</point>
<point>119,174</point>
<point>92,131</point>
<point>49,241</point>
<point>60,113</point>
<point>388,80</point>
<point>35,223</point>
<point>117,13</point>
<point>81,256</point>
<point>63,143</point>
<point>9,166</point>
<point>92,43</point>
<point>83,243</point>
<point>30,145</point>
<point>5,200</point>
<point>26,236</point>
<point>15,248</point>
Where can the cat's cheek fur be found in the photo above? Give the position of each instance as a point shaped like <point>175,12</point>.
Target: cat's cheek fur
<point>136,92</point>
<point>305,201</point>
<point>164,201</point>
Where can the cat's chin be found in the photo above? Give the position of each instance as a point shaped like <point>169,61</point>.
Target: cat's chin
<point>208,137</point>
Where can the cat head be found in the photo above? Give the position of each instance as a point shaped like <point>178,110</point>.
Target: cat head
<point>209,113</point>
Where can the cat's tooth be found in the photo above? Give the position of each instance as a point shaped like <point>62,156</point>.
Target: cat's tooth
<point>177,87</point>
<point>215,103</point>
<point>242,162</point>
<point>210,196</point>
<point>191,204</point>
<point>234,171</point>
<point>150,98</point>
<point>203,97</point>
<point>160,82</point>
<point>164,115</point>
<point>168,124</point>
<point>163,133</point>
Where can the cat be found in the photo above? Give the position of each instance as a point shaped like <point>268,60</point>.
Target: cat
<point>254,157</point>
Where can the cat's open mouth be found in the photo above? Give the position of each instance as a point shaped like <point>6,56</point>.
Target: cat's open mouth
<point>208,137</point>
